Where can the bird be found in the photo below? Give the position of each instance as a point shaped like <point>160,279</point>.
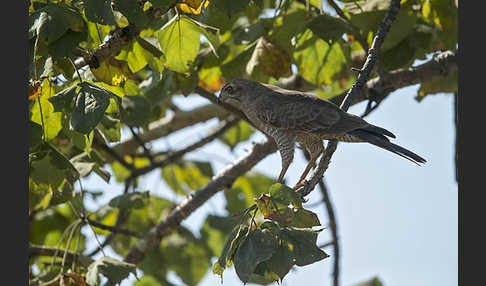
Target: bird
<point>290,117</point>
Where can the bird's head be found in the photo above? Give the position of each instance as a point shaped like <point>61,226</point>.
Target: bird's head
<point>238,92</point>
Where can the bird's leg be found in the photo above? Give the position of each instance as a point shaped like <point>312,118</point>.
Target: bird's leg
<point>286,145</point>
<point>301,181</point>
<point>315,151</point>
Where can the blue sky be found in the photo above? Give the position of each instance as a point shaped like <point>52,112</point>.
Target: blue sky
<point>396,220</point>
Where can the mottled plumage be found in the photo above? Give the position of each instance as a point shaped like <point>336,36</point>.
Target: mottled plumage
<point>290,116</point>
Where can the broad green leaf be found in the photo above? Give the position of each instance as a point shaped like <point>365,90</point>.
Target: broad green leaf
<point>89,108</point>
<point>133,200</point>
<point>302,245</point>
<point>258,246</point>
<point>135,110</point>
<point>135,55</point>
<point>215,231</point>
<point>99,11</point>
<point>316,60</point>
<point>111,71</point>
<point>327,27</point>
<point>286,27</point>
<point>133,11</point>
<point>113,269</point>
<point>35,134</point>
<point>230,7</point>
<point>110,129</point>
<point>236,67</point>
<point>64,46</point>
<point>50,120</point>
<point>179,41</point>
<point>244,189</point>
<point>285,196</point>
<point>187,176</point>
<point>53,20</point>
<point>63,100</point>
<point>231,245</point>
<point>44,172</point>
<point>236,134</point>
<point>160,3</point>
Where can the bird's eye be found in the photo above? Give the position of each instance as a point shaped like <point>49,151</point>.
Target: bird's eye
<point>229,89</point>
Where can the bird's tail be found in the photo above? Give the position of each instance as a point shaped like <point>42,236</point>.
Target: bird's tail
<point>376,136</point>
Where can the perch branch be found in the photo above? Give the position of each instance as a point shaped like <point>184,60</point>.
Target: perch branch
<point>357,86</point>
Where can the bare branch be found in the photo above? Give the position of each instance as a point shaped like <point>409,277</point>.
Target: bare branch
<point>40,250</point>
<point>119,38</point>
<point>172,157</point>
<point>113,229</point>
<point>170,124</point>
<point>333,225</point>
<point>357,86</point>
<point>223,179</point>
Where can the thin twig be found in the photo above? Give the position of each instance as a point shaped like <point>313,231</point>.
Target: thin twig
<point>40,250</point>
<point>333,226</point>
<point>113,228</point>
<point>146,151</point>
<point>113,153</point>
<point>172,157</point>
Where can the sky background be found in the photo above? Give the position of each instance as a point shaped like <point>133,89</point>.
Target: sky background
<point>396,220</point>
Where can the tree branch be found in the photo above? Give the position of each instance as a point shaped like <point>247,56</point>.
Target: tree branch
<point>113,229</point>
<point>223,179</point>
<point>333,225</point>
<point>119,38</point>
<point>40,250</point>
<point>357,86</point>
<point>169,124</point>
<point>172,157</point>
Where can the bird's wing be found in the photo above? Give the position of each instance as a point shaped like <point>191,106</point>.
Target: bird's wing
<point>297,111</point>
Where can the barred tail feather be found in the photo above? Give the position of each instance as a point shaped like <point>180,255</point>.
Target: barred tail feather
<point>373,137</point>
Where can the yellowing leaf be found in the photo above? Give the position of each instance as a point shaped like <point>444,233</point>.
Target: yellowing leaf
<point>50,120</point>
<point>35,89</point>
<point>111,71</point>
<point>193,6</point>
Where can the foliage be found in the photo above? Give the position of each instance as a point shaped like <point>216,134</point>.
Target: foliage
<point>99,67</point>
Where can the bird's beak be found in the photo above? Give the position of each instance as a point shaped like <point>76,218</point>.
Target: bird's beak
<point>219,99</point>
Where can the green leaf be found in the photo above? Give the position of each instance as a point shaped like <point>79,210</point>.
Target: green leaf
<point>89,108</point>
<point>35,134</point>
<point>187,175</point>
<point>135,55</point>
<point>236,67</point>
<point>231,245</point>
<point>160,3</point>
<point>110,129</point>
<point>215,231</point>
<point>113,269</point>
<point>258,246</point>
<point>231,7</point>
<point>50,120</point>
<point>179,41</point>
<point>50,22</point>
<point>66,44</point>
<point>302,245</point>
<point>316,60</point>
<point>63,100</point>
<point>135,200</point>
<point>239,133</point>
<point>133,11</point>
<point>99,11</point>
<point>327,27</point>
<point>245,189</point>
<point>135,110</point>
<point>284,195</point>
